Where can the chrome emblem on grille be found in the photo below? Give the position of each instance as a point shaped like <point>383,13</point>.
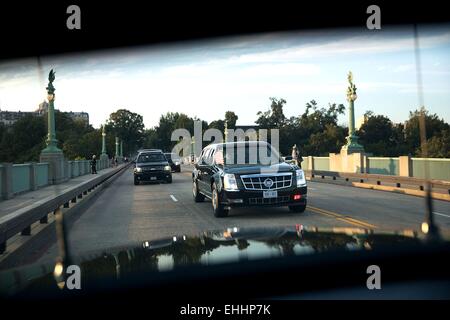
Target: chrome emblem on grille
<point>268,183</point>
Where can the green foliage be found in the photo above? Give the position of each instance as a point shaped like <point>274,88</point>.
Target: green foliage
<point>315,131</point>
<point>274,117</point>
<point>435,127</point>
<point>381,137</point>
<point>231,119</point>
<point>129,127</point>
<point>23,141</point>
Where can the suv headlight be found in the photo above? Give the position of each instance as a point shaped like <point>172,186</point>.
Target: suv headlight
<point>229,182</point>
<point>137,169</point>
<point>301,179</point>
<point>167,168</point>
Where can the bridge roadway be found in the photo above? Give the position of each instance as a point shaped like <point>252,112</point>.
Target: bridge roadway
<point>127,214</point>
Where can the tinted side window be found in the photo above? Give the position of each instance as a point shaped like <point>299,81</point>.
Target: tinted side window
<point>203,156</point>
<point>209,156</point>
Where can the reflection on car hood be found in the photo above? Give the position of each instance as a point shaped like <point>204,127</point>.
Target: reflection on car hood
<point>215,247</point>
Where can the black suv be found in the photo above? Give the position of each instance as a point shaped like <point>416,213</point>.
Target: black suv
<point>152,165</point>
<point>174,161</point>
<point>250,173</point>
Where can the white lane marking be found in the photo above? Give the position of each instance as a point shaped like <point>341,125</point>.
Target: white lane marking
<point>441,214</point>
<point>173,198</point>
<point>309,188</point>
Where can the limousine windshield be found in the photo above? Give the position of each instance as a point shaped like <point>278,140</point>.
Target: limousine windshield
<point>245,154</point>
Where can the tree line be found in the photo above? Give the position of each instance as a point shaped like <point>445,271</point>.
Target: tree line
<point>316,132</point>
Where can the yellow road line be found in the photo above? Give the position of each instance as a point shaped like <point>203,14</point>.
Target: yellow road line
<point>340,217</point>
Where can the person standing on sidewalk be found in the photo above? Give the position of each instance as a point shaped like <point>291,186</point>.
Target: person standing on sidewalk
<point>298,159</point>
<point>94,165</point>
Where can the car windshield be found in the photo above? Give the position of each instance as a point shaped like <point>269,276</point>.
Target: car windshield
<point>362,154</point>
<point>151,157</point>
<point>247,155</point>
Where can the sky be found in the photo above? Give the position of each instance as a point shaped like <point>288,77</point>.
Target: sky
<point>206,78</point>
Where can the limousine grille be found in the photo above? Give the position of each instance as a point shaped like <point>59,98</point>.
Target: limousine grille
<point>267,181</point>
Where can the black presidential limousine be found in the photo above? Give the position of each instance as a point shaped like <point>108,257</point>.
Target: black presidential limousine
<point>247,173</point>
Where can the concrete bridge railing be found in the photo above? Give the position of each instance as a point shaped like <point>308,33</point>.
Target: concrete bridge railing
<point>404,166</point>
<point>19,178</point>
<point>20,221</point>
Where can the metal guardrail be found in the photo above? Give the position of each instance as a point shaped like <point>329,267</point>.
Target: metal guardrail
<point>380,178</point>
<point>20,221</point>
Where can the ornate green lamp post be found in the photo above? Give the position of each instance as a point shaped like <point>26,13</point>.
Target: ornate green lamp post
<point>52,142</point>
<point>103,140</point>
<point>352,144</point>
<point>52,154</point>
<point>104,155</point>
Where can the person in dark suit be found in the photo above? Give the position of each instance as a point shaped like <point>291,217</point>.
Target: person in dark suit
<point>94,165</point>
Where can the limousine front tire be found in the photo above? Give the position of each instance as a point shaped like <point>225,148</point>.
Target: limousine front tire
<point>218,208</point>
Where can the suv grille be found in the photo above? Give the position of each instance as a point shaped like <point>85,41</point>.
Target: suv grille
<point>268,200</point>
<point>267,181</point>
<point>154,168</point>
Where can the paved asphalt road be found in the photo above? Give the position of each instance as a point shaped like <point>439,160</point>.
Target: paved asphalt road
<point>125,214</point>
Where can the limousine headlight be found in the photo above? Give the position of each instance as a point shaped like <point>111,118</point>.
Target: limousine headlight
<point>137,169</point>
<point>229,182</point>
<point>301,180</point>
<point>167,168</point>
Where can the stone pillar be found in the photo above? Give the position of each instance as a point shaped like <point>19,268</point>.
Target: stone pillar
<point>7,179</point>
<point>310,163</point>
<point>66,170</point>
<point>405,168</point>
<point>33,183</point>
<point>366,163</point>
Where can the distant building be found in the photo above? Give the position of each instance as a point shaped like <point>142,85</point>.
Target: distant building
<point>80,116</point>
<point>10,117</point>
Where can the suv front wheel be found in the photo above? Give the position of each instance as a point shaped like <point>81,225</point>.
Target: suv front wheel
<point>218,208</point>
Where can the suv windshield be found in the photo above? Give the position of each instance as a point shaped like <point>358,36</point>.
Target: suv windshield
<point>151,157</point>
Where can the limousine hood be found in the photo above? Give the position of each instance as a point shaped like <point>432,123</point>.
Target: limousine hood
<point>206,249</point>
<point>255,169</point>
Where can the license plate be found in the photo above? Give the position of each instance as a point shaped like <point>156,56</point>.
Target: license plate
<point>270,194</point>
<point>152,178</point>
